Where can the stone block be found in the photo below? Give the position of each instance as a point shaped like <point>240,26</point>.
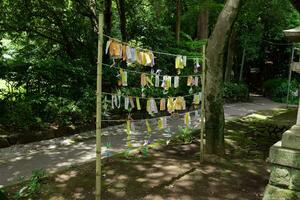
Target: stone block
<point>276,193</point>
<point>295,180</point>
<point>284,156</point>
<point>280,176</point>
<point>291,138</point>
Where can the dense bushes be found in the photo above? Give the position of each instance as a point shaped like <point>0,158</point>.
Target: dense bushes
<point>277,89</point>
<point>235,92</point>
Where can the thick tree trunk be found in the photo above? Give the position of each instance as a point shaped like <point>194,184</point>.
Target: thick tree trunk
<point>214,127</point>
<point>202,25</point>
<point>231,57</point>
<point>108,16</point>
<point>122,14</point>
<point>178,20</point>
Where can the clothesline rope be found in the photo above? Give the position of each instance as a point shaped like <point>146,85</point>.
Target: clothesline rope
<point>146,73</point>
<point>156,52</point>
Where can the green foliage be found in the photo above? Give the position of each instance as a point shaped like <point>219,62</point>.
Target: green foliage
<point>32,187</point>
<point>185,135</point>
<point>2,194</point>
<point>236,92</point>
<point>277,89</point>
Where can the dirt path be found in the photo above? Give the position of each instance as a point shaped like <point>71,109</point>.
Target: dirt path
<point>60,153</point>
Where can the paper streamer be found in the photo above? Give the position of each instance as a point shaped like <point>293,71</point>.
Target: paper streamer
<point>187,119</point>
<point>162,105</point>
<point>196,81</point>
<point>138,104</point>
<point>131,102</point>
<point>176,81</point>
<point>126,103</point>
<point>170,105</point>
<point>157,81</point>
<point>190,81</point>
<point>123,75</point>
<point>148,107</point>
<point>143,80</point>
<point>153,106</point>
<point>196,100</point>
<point>148,126</point>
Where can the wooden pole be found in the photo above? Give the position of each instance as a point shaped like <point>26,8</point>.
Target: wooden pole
<point>99,108</point>
<point>203,106</point>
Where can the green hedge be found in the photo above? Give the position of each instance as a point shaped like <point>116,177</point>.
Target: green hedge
<point>236,92</point>
<point>277,90</point>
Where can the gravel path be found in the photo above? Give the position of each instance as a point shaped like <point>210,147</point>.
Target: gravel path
<point>56,154</point>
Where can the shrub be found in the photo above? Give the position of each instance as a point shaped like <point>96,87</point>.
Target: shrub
<point>235,92</point>
<point>277,90</point>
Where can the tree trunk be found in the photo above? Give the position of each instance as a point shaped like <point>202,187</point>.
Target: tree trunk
<point>214,127</point>
<point>108,16</point>
<point>202,25</point>
<point>122,14</point>
<point>231,57</point>
<point>178,20</point>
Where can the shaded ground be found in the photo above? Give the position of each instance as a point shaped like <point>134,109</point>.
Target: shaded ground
<point>174,172</point>
<point>60,153</point>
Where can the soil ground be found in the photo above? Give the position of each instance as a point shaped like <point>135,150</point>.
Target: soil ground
<point>173,172</point>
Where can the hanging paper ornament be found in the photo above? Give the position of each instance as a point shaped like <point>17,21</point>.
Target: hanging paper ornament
<point>153,106</point>
<point>126,103</point>
<point>184,60</point>
<point>123,75</point>
<point>148,107</point>
<point>143,79</point>
<point>131,102</point>
<point>157,81</point>
<point>180,63</point>
<point>187,119</point>
<point>190,81</point>
<point>170,104</point>
<point>179,103</point>
<point>107,46</point>
<point>115,101</point>
<point>138,104</point>
<point>176,81</point>
<point>148,126</point>
<point>149,81</point>
<point>196,81</point>
<point>167,81</point>
<point>162,105</point>
<point>196,65</point>
<point>196,100</point>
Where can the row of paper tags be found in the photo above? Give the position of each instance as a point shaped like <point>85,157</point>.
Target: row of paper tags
<point>117,50</point>
<point>165,82</point>
<point>170,104</point>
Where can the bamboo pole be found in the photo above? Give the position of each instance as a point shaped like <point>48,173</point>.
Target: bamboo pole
<point>99,108</point>
<point>203,106</point>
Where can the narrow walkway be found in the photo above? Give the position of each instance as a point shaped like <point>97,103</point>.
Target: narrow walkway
<point>56,154</point>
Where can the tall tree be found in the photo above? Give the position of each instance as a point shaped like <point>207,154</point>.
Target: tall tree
<point>202,25</point>
<point>122,14</point>
<point>108,16</point>
<point>178,20</point>
<point>216,48</point>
